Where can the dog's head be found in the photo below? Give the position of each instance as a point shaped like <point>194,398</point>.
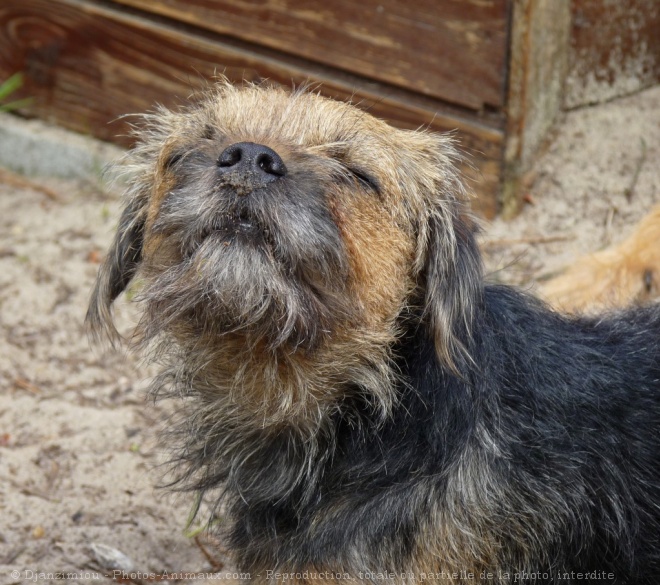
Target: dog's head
<point>290,220</point>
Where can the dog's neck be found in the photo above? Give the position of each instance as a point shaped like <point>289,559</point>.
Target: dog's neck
<point>273,387</point>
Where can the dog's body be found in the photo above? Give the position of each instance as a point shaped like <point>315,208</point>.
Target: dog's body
<point>543,459</point>
<point>362,403</point>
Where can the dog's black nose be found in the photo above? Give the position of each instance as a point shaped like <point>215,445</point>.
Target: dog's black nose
<point>253,159</point>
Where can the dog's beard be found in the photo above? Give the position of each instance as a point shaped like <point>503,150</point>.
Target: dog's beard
<point>273,271</point>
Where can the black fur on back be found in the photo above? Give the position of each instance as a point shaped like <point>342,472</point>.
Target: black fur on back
<point>557,417</point>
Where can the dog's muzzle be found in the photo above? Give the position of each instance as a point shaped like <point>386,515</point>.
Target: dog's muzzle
<point>248,166</point>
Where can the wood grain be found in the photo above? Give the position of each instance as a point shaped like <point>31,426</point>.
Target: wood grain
<point>449,49</point>
<point>537,64</point>
<point>87,65</point>
<point>614,50</point>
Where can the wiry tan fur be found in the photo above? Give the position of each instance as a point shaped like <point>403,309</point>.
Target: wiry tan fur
<point>386,251</point>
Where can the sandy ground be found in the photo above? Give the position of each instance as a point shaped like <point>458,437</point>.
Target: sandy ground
<point>598,177</point>
<point>78,450</point>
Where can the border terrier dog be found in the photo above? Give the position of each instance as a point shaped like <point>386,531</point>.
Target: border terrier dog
<point>356,399</point>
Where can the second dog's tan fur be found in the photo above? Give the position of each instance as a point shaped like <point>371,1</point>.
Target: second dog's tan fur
<point>614,277</point>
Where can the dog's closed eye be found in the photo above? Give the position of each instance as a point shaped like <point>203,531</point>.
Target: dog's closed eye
<point>173,159</point>
<point>364,179</point>
<point>338,153</point>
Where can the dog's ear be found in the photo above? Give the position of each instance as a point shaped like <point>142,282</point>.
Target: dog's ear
<point>117,270</point>
<point>448,262</point>
<point>452,282</point>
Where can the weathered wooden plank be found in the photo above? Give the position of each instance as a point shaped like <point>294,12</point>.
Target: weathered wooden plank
<point>538,64</point>
<point>614,51</point>
<point>86,65</point>
<point>449,49</point>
